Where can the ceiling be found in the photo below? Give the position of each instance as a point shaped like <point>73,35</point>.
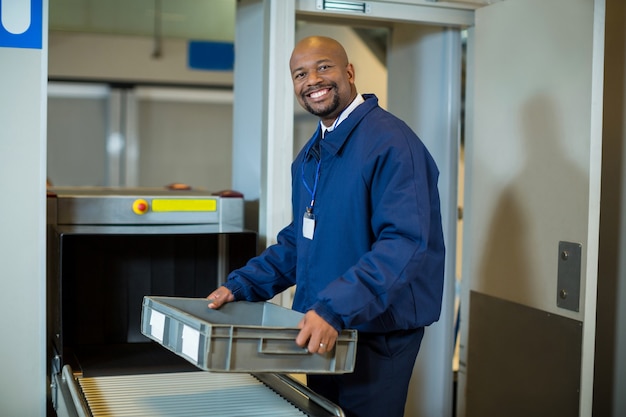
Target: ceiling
<point>212,20</point>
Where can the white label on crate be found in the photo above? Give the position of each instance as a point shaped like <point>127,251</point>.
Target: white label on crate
<point>157,324</point>
<point>191,341</point>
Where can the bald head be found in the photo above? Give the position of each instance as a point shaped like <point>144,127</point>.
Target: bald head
<point>322,76</point>
<point>319,43</point>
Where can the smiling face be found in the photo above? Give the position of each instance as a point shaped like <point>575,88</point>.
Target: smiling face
<point>323,80</point>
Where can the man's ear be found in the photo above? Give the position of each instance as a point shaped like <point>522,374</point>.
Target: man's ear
<point>350,71</point>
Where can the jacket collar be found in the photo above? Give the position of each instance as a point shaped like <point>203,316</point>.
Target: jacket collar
<point>335,139</point>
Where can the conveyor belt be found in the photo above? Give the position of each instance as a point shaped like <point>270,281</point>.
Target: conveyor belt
<point>184,394</point>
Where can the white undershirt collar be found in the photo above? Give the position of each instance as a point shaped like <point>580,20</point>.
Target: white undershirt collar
<point>343,115</point>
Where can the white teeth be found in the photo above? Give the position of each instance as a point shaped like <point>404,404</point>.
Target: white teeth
<point>318,94</point>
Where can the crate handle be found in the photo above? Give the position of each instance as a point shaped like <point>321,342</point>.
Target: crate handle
<point>280,347</point>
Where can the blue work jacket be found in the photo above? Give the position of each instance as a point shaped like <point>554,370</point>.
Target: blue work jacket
<point>376,259</point>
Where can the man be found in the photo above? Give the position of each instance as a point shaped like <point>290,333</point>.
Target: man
<point>365,248</point>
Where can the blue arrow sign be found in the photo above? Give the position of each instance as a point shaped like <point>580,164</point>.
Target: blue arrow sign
<point>21,23</point>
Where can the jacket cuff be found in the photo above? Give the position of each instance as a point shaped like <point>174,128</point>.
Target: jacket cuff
<point>327,314</point>
<point>237,289</point>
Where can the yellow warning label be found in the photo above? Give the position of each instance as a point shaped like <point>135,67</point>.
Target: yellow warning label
<point>183,204</point>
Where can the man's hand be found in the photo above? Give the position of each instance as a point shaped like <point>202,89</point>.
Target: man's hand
<point>219,297</point>
<point>316,334</point>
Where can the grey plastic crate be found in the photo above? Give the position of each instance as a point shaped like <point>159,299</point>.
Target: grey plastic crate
<point>240,337</point>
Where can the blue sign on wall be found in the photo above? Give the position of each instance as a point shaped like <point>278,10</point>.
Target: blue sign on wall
<point>21,23</point>
<point>211,56</point>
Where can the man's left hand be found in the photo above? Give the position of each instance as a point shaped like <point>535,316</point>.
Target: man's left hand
<point>316,334</point>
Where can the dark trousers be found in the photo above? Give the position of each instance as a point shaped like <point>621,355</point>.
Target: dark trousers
<point>378,386</point>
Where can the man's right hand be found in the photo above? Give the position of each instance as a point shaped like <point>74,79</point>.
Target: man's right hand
<point>219,297</point>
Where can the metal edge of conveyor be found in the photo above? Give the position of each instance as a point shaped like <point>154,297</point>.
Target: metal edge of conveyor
<point>300,395</point>
<point>69,401</point>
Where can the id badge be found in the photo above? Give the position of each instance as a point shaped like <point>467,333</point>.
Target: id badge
<point>308,225</point>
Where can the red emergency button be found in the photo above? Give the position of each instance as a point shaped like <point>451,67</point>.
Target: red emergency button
<point>140,206</point>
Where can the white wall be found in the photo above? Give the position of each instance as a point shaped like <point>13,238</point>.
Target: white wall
<point>22,221</point>
<point>125,58</point>
<point>169,135</point>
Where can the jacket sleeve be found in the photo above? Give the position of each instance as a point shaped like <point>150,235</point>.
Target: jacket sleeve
<point>268,274</point>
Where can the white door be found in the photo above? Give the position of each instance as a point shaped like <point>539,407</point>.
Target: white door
<point>531,215</point>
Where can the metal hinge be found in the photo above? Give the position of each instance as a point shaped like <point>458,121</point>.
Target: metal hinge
<point>344,6</point>
<point>568,282</point>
